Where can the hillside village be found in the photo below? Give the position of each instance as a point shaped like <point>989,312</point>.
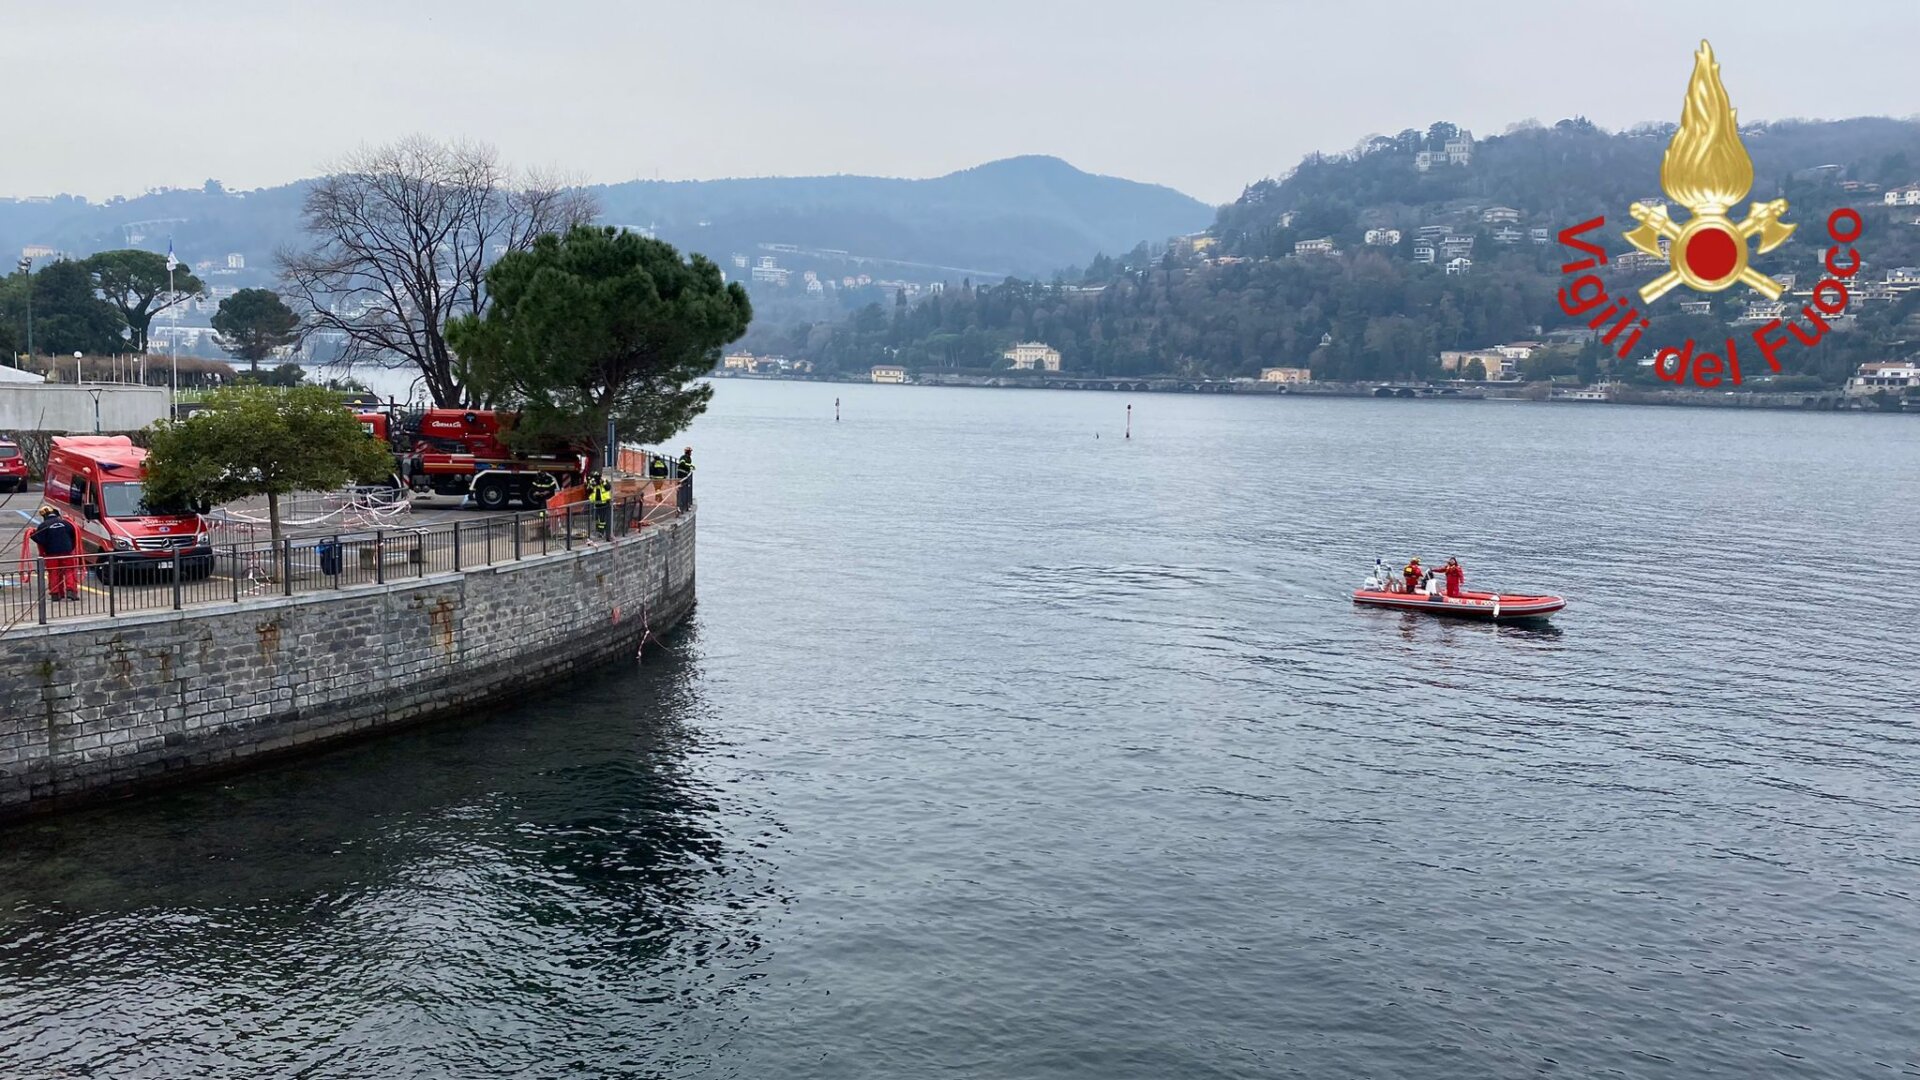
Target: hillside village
<point>1435,255</point>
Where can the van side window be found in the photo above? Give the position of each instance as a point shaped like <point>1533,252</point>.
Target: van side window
<point>78,494</point>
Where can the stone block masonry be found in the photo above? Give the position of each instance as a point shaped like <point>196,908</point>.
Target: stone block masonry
<point>94,709</point>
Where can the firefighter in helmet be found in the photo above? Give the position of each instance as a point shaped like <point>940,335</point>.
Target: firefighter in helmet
<point>600,500</point>
<point>544,487</point>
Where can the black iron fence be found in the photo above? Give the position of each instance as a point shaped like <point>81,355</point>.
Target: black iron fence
<point>44,589</point>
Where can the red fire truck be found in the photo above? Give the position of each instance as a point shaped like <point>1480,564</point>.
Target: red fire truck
<point>465,452</point>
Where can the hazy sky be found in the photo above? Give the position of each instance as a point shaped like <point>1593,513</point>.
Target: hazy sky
<point>115,96</point>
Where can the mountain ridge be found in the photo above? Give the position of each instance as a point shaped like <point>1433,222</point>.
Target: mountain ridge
<point>1029,214</point>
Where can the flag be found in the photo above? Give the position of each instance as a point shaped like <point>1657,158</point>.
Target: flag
<point>171,261</point>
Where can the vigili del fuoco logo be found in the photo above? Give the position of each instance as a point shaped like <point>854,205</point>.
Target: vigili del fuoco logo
<point>1707,170</point>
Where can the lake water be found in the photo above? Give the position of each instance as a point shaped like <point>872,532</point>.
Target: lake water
<point>999,749</point>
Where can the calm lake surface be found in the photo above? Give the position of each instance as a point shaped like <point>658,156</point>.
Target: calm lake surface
<point>996,749</point>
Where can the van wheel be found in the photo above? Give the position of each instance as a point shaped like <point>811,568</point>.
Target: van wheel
<point>491,496</point>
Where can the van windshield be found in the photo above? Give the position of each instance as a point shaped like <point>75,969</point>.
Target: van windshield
<point>129,499</point>
<point>7,453</point>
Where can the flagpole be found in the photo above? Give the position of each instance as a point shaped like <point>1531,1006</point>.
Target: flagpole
<point>173,342</point>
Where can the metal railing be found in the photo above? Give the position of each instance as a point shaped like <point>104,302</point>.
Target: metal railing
<point>47,589</point>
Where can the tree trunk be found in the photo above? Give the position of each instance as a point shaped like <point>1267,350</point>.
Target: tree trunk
<point>273,516</point>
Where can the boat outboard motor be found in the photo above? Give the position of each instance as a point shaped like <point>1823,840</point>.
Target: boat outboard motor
<point>1377,580</point>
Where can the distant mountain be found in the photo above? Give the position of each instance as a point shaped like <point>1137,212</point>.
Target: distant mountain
<point>1025,215</point>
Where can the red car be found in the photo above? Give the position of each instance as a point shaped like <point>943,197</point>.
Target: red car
<point>13,467</point>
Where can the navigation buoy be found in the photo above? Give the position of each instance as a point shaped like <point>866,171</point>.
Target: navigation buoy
<point>836,410</point>
<point>1129,421</point>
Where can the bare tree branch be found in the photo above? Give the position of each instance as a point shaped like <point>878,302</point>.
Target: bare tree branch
<point>403,237</point>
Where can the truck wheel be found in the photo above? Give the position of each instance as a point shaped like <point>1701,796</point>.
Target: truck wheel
<point>491,495</point>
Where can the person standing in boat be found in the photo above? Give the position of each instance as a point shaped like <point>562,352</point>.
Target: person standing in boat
<point>1411,572</point>
<point>1456,576</point>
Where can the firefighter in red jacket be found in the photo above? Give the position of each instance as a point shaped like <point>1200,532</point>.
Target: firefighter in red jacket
<point>57,540</point>
<point>1456,576</point>
<point>1412,573</point>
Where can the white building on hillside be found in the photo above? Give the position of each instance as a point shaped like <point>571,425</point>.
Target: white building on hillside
<point>1496,363</point>
<point>1029,355</point>
<point>1383,237</point>
<point>1893,377</point>
<point>888,373</point>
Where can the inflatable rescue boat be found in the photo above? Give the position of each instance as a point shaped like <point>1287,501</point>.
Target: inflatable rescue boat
<point>1380,591</point>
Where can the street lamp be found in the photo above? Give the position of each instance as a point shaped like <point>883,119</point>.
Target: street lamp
<point>77,378</point>
<point>95,391</point>
<point>26,267</point>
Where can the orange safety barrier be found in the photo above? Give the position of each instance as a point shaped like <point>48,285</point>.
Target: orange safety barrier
<point>632,459</point>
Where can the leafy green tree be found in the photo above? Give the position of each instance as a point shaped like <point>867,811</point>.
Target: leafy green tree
<point>257,440</point>
<point>1588,365</point>
<point>284,375</point>
<point>1475,370</point>
<point>601,323</point>
<point>1551,364</point>
<point>252,323</point>
<point>135,283</point>
<point>68,317</point>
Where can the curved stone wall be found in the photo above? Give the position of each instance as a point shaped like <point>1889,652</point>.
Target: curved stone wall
<point>106,707</point>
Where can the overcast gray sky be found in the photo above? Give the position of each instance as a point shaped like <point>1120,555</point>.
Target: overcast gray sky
<point>1203,95</point>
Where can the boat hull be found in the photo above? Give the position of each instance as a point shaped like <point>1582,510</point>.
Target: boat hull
<point>1488,607</point>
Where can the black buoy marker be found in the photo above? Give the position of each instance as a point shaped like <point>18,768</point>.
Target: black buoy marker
<point>1129,421</point>
<point>836,410</point>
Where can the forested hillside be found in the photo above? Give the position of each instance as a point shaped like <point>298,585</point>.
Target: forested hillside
<point>1245,300</point>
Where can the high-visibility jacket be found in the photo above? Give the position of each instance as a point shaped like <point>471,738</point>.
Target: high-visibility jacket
<point>686,464</point>
<point>657,466</point>
<point>599,492</point>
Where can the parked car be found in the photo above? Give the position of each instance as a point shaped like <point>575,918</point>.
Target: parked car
<point>13,467</point>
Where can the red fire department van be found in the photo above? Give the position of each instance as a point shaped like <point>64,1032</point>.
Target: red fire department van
<point>13,467</point>
<point>96,480</point>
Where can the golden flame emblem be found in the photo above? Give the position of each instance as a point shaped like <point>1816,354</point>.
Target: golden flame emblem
<point>1707,170</point>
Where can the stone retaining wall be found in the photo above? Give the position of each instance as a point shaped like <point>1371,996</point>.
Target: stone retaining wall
<point>106,707</point>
